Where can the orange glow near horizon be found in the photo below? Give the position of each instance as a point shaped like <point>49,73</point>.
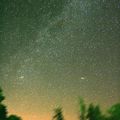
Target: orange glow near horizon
<point>34,116</point>
<point>70,111</point>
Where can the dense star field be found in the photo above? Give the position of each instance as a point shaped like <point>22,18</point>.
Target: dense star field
<point>53,51</point>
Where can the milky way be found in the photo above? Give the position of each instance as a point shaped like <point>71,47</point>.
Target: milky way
<point>53,51</point>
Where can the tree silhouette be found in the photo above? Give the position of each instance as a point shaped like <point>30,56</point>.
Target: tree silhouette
<point>98,113</point>
<point>1,96</point>
<point>90,114</point>
<point>13,117</point>
<point>82,109</point>
<point>3,110</point>
<point>58,114</point>
<point>114,112</point>
<point>94,113</point>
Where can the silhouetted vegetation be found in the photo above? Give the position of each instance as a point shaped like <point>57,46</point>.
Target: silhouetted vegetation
<point>13,117</point>
<point>3,110</point>
<point>114,112</point>
<point>94,112</point>
<point>1,96</point>
<point>90,112</point>
<point>82,110</point>
<point>58,114</point>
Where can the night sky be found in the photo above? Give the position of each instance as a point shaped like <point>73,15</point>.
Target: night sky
<point>53,51</point>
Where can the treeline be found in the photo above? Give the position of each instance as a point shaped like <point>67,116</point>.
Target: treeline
<point>90,112</point>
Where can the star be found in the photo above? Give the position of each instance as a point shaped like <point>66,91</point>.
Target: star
<point>82,78</point>
<point>21,77</point>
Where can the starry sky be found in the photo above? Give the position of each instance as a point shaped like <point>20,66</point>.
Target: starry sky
<point>53,51</point>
